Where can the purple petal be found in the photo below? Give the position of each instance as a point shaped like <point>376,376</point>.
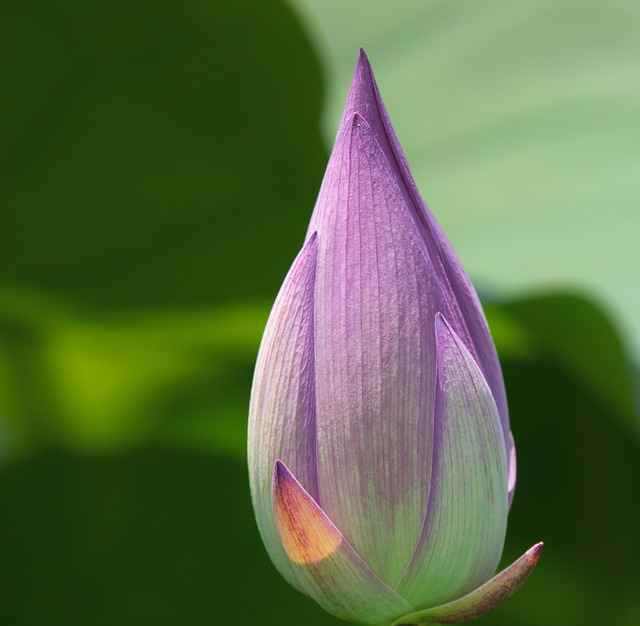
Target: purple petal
<point>282,421</point>
<point>461,305</point>
<point>482,600</point>
<point>465,524</point>
<point>328,568</point>
<point>512,468</point>
<point>375,354</point>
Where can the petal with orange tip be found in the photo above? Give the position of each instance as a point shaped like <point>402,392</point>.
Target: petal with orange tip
<point>326,565</point>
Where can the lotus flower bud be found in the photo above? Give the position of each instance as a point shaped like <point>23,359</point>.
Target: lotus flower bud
<point>381,461</point>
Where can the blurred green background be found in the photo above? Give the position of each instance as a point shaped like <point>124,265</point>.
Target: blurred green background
<point>159,162</point>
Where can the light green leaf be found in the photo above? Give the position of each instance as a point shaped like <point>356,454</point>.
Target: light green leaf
<point>98,381</point>
<point>520,124</point>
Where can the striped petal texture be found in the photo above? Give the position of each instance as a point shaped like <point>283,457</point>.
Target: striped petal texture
<point>381,460</point>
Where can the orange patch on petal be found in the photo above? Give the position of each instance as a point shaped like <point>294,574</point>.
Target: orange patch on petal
<point>308,536</point>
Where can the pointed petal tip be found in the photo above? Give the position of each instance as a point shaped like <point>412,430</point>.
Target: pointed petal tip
<point>307,534</point>
<point>443,328</point>
<point>533,554</point>
<point>355,125</point>
<point>447,336</point>
<point>363,72</point>
<point>278,472</point>
<point>482,600</point>
<point>282,479</point>
<point>357,120</point>
<point>362,93</point>
<point>278,469</point>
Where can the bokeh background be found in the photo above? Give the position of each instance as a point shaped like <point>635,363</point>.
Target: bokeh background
<point>159,162</point>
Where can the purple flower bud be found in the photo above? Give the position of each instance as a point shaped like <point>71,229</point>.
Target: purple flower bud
<point>381,462</point>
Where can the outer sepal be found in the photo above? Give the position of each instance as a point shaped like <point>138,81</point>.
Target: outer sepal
<point>483,599</point>
<point>326,565</point>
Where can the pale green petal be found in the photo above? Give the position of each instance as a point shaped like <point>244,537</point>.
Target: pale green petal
<point>466,519</point>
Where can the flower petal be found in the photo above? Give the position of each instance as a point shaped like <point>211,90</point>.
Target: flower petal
<point>461,305</point>
<point>512,469</point>
<point>375,355</point>
<point>483,599</point>
<point>282,412</point>
<point>465,523</point>
<point>326,565</point>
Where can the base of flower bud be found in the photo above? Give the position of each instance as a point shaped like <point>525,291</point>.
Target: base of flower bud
<point>483,599</point>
